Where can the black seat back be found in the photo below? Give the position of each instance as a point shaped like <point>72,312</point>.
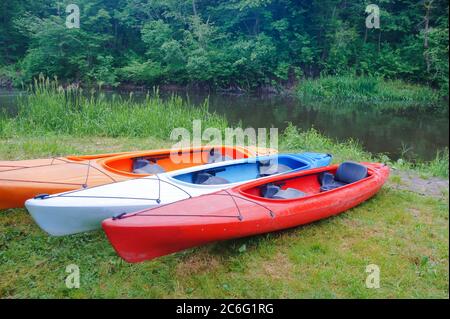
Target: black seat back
<point>350,172</point>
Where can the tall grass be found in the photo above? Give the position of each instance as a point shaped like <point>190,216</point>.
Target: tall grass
<point>439,166</point>
<point>296,140</point>
<point>385,94</point>
<point>70,111</point>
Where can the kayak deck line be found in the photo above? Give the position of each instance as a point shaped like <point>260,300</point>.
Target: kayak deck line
<point>154,177</point>
<point>38,182</point>
<point>227,193</point>
<point>89,165</point>
<point>16,168</point>
<point>23,179</point>
<point>84,185</point>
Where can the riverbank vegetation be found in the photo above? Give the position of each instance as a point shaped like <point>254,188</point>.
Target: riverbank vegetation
<point>51,110</point>
<point>232,45</point>
<point>380,93</point>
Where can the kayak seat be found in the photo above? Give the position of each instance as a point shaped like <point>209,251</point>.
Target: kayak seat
<point>347,173</point>
<point>204,178</point>
<point>275,192</point>
<point>143,166</point>
<point>267,169</point>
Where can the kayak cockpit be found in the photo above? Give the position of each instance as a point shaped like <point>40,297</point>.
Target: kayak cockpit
<point>301,186</point>
<point>249,170</point>
<point>160,162</point>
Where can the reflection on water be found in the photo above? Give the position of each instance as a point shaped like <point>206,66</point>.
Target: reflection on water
<point>419,135</point>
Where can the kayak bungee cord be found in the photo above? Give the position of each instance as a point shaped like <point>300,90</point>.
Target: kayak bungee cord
<point>104,173</point>
<point>52,182</point>
<point>158,199</point>
<point>17,168</point>
<point>59,159</point>
<point>87,174</point>
<point>13,167</point>
<point>239,216</point>
<point>235,204</point>
<point>39,182</point>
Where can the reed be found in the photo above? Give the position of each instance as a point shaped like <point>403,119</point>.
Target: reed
<point>51,108</point>
<point>384,94</point>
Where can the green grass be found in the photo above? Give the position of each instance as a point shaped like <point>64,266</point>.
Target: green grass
<point>400,96</point>
<point>406,235</point>
<point>53,109</point>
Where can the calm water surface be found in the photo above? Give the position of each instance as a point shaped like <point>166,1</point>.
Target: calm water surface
<point>397,135</point>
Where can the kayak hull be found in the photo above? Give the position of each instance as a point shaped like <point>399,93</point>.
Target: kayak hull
<point>21,180</point>
<point>188,223</point>
<point>51,220</point>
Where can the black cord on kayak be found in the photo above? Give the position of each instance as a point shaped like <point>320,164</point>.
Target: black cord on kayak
<point>158,200</point>
<point>51,182</point>
<point>272,214</point>
<point>226,193</point>
<point>87,175</point>
<point>240,217</point>
<point>159,189</point>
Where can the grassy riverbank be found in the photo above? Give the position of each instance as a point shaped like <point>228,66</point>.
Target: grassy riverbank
<point>53,111</point>
<point>404,233</point>
<point>70,111</point>
<point>401,230</point>
<point>377,91</point>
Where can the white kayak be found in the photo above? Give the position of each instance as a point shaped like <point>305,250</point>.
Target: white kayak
<point>84,210</point>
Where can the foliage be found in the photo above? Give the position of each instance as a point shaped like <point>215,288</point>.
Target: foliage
<point>221,43</point>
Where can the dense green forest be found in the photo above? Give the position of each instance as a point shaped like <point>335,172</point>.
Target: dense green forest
<point>223,43</point>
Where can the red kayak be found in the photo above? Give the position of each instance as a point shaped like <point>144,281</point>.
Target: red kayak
<point>262,206</point>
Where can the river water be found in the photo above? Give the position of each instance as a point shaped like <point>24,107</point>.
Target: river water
<point>412,136</point>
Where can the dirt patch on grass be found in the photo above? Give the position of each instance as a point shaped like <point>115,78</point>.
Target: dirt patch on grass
<point>410,181</point>
<point>278,267</point>
<point>196,264</point>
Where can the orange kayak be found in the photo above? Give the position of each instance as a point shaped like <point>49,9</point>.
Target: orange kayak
<point>21,180</point>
